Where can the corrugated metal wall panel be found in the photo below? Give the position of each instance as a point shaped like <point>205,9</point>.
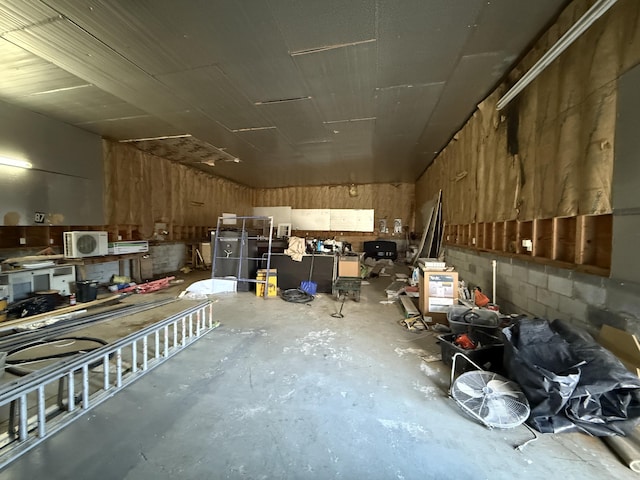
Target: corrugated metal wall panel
<point>342,81</point>
<point>210,90</point>
<point>445,23</point>
<point>332,22</point>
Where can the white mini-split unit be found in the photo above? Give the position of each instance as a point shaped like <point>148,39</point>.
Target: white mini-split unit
<point>85,244</point>
<point>131,246</point>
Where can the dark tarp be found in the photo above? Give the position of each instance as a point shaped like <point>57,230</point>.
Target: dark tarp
<point>571,382</point>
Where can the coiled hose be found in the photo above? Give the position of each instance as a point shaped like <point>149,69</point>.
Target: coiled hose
<point>296,295</point>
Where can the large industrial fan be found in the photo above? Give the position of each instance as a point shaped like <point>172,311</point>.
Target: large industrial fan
<point>488,397</point>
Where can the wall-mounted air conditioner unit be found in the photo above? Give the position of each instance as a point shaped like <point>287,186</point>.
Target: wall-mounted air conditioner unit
<point>85,244</point>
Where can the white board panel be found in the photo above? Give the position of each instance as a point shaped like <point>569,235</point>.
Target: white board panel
<point>279,214</point>
<point>351,220</point>
<point>310,219</point>
<point>229,218</point>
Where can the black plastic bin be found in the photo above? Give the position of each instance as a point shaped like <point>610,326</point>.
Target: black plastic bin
<point>86,290</point>
<point>488,355</point>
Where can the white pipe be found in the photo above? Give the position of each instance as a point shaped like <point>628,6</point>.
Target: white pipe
<point>596,11</point>
<point>494,266</point>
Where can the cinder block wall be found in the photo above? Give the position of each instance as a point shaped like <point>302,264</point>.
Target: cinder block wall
<point>103,272</point>
<point>167,257</point>
<point>550,292</point>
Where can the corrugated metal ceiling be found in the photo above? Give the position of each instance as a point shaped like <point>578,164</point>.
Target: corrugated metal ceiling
<point>302,92</point>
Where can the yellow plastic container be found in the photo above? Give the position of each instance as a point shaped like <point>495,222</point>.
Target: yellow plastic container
<point>273,282</point>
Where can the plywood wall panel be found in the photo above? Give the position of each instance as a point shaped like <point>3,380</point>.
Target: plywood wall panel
<point>563,161</point>
<point>142,189</point>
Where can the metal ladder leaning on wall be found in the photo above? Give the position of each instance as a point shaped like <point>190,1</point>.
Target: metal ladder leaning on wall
<point>40,405</point>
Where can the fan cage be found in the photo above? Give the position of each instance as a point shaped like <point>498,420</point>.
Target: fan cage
<point>503,407</point>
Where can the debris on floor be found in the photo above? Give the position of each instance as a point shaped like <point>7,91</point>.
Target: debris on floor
<point>414,324</point>
<point>432,358</point>
<point>395,289</point>
<point>148,287</point>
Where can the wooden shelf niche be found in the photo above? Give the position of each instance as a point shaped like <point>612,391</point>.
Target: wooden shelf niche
<point>43,236</point>
<point>581,242</point>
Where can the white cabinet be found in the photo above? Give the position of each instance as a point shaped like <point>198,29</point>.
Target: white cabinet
<point>61,277</point>
<point>21,283</point>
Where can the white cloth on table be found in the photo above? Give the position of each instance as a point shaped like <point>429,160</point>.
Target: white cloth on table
<point>296,248</point>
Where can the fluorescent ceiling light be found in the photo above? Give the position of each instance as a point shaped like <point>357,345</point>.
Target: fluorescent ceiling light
<point>324,48</point>
<point>12,162</point>
<point>282,100</point>
<point>363,119</point>
<point>63,89</point>
<point>596,11</point>
<point>163,137</point>
<point>252,129</point>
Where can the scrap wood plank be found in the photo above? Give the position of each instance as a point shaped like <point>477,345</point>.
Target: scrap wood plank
<point>34,258</point>
<point>623,345</point>
<point>409,307</point>
<point>435,227</point>
<point>433,221</point>
<point>428,206</point>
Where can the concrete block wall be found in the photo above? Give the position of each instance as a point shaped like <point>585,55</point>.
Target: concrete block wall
<point>550,292</point>
<point>167,257</point>
<point>103,272</point>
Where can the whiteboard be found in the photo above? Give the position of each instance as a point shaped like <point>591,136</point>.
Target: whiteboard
<point>229,218</point>
<point>351,220</point>
<point>279,214</point>
<point>310,219</point>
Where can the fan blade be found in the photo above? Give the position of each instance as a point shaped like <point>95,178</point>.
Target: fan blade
<point>496,412</point>
<point>469,390</point>
<point>503,387</point>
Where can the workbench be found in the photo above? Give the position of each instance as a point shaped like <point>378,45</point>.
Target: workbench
<point>292,273</point>
<point>22,282</point>
<point>133,258</point>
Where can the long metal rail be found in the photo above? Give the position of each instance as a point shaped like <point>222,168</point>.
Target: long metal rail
<point>86,381</point>
<point>15,340</point>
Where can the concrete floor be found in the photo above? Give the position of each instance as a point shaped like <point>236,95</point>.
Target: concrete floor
<point>286,391</point>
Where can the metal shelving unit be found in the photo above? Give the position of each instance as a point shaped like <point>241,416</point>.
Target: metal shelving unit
<point>239,255</point>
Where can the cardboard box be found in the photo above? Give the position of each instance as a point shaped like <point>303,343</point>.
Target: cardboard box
<point>623,345</point>
<point>438,291</point>
<point>272,291</point>
<point>349,266</point>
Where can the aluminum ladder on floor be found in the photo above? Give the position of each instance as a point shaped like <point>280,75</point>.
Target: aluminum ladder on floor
<point>44,402</point>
